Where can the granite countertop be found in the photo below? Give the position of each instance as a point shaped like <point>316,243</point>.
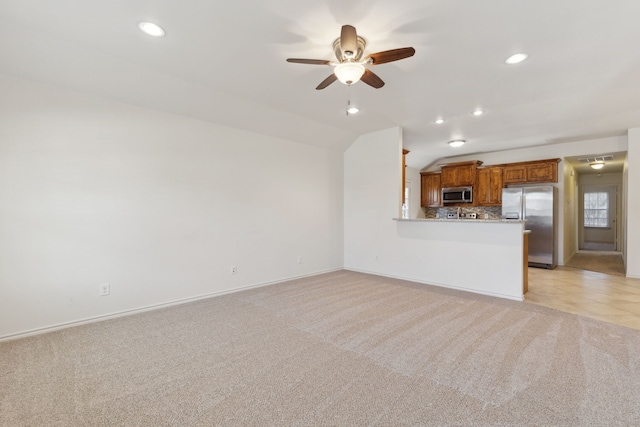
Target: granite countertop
<point>504,221</point>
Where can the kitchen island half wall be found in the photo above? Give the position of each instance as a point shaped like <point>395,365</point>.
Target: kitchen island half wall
<point>481,256</point>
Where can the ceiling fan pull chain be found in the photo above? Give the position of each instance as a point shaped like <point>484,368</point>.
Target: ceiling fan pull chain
<point>348,100</point>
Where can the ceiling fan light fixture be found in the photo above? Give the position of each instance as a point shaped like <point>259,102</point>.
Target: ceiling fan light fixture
<point>349,72</point>
<point>597,165</point>
<point>457,143</point>
<point>151,29</point>
<point>439,121</point>
<point>478,112</point>
<point>352,109</point>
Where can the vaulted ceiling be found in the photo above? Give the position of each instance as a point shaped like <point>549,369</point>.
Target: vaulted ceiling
<point>225,62</point>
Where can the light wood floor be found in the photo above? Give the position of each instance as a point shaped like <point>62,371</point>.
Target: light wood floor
<point>605,297</point>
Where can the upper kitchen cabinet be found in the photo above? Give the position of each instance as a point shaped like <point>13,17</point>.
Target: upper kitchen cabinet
<point>489,186</point>
<point>539,171</point>
<point>430,190</point>
<point>459,174</point>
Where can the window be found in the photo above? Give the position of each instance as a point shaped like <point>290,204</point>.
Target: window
<point>596,209</point>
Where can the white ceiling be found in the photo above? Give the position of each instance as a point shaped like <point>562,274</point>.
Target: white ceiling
<point>225,62</point>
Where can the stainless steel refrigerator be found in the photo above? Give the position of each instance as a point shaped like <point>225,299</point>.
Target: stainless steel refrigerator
<point>536,205</point>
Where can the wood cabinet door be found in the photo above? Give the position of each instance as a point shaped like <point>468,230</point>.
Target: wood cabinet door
<point>516,174</point>
<point>448,178</point>
<point>542,172</point>
<point>424,191</point>
<point>431,190</point>
<point>458,176</point>
<point>465,176</point>
<point>489,185</point>
<point>495,186</point>
<point>435,199</point>
<point>484,187</point>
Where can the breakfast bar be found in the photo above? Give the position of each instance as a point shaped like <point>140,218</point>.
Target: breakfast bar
<point>478,255</point>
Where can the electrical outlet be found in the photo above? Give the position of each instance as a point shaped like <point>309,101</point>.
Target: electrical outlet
<point>105,289</point>
<point>300,259</point>
<point>234,269</point>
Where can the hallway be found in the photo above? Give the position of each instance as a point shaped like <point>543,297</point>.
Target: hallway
<point>602,262</point>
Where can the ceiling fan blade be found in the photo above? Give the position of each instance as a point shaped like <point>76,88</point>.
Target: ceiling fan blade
<point>309,61</point>
<point>372,79</point>
<point>391,55</point>
<point>326,82</point>
<point>348,41</point>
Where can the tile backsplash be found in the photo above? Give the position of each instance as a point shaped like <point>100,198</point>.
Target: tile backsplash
<point>492,212</point>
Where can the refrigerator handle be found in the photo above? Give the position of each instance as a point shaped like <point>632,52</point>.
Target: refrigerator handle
<point>524,207</point>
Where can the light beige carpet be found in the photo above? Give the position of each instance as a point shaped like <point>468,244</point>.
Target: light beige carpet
<point>602,262</point>
<point>339,349</point>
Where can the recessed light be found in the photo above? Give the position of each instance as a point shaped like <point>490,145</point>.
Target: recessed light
<point>478,112</point>
<point>457,143</point>
<point>151,29</point>
<point>516,58</point>
<point>439,121</point>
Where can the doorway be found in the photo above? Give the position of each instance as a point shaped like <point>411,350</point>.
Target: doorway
<point>595,212</point>
<point>598,230</point>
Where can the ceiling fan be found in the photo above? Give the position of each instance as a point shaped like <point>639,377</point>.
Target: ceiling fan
<point>350,67</point>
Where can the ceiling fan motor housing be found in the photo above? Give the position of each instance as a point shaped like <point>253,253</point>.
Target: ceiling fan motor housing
<point>357,56</point>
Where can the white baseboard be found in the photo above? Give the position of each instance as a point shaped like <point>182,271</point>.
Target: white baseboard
<point>440,285</point>
<point>115,315</point>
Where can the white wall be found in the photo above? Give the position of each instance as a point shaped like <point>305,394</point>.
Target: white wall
<point>570,210</point>
<point>479,257</point>
<point>372,172</point>
<point>632,177</point>
<point>625,211</point>
<point>567,149</point>
<point>158,205</point>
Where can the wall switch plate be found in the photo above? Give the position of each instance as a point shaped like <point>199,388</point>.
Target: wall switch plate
<point>105,289</point>
<point>234,269</point>
<point>300,259</point>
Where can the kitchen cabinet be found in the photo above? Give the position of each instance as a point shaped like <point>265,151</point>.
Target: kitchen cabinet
<point>515,174</point>
<point>430,190</point>
<point>531,172</point>
<point>489,186</point>
<point>461,174</point>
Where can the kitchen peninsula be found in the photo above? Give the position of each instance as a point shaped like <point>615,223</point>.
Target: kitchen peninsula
<point>484,256</point>
<point>462,237</point>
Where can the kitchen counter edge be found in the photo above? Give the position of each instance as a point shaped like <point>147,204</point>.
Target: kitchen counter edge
<point>504,221</point>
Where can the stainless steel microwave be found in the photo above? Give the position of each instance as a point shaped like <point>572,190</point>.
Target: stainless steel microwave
<point>457,195</point>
